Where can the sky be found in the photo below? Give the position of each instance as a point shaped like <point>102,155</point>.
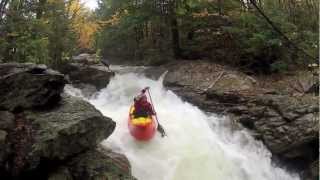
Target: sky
<point>92,4</point>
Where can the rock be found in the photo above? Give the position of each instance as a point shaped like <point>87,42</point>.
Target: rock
<point>314,170</point>
<point>92,75</point>
<point>4,147</point>
<point>6,124</point>
<point>230,82</point>
<point>6,120</point>
<point>42,130</point>
<point>48,136</point>
<point>209,86</point>
<point>3,136</point>
<point>28,86</point>
<point>100,164</point>
<point>155,72</point>
<point>314,89</point>
<point>299,128</point>
<point>61,173</point>
<point>88,59</point>
<point>72,127</point>
<point>287,126</point>
<point>95,164</point>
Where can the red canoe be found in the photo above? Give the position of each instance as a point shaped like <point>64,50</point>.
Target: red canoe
<point>142,129</point>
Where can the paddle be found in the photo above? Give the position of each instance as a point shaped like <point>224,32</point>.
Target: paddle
<point>160,128</point>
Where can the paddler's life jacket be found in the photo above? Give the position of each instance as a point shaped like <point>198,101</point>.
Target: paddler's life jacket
<point>142,108</point>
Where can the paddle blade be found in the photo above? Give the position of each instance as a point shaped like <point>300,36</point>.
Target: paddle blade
<point>161,130</point>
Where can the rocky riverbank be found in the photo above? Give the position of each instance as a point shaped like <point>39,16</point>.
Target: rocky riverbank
<point>46,134</point>
<point>86,73</point>
<point>272,108</point>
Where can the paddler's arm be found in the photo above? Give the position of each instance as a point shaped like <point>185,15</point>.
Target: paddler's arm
<point>150,110</point>
<point>144,90</point>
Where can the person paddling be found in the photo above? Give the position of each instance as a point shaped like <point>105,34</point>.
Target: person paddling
<point>144,109</point>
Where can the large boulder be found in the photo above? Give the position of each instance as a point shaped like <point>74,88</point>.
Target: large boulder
<point>42,128</point>
<point>198,82</point>
<point>313,171</point>
<point>23,87</point>
<point>288,126</point>
<point>5,148</point>
<point>72,127</point>
<point>6,125</point>
<point>6,120</point>
<point>82,75</point>
<point>96,164</point>
<point>68,129</point>
<point>99,164</point>
<point>61,173</point>
<point>28,86</point>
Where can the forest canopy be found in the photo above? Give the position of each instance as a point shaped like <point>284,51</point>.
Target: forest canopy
<point>44,31</point>
<point>230,31</point>
<point>154,32</point>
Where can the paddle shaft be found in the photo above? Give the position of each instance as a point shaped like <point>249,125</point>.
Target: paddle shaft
<point>160,128</point>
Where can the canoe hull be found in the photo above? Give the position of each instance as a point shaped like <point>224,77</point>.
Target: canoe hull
<point>142,132</point>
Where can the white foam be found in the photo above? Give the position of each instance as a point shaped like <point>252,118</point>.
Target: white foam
<point>198,146</point>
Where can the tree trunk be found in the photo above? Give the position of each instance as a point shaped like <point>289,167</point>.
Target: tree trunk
<point>220,7</point>
<point>175,38</point>
<point>40,8</point>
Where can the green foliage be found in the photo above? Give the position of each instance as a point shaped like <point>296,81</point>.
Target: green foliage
<point>61,37</point>
<point>131,36</point>
<point>36,31</point>
<point>156,31</point>
<point>279,67</point>
<point>145,30</point>
<point>260,43</point>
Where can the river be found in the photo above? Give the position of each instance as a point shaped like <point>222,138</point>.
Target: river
<point>199,146</point>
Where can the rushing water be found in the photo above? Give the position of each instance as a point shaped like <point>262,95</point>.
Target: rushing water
<point>198,146</point>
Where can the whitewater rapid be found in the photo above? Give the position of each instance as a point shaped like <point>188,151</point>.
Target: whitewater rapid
<point>198,146</point>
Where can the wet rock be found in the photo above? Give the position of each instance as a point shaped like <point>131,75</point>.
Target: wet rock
<point>6,120</point>
<point>42,129</point>
<point>4,147</point>
<point>50,136</point>
<point>28,86</point>
<point>289,130</point>
<point>72,127</point>
<point>3,136</point>
<point>61,173</point>
<point>209,86</point>
<point>80,74</point>
<point>155,72</point>
<point>314,170</point>
<point>84,58</point>
<point>101,164</point>
<point>314,89</point>
<point>95,164</point>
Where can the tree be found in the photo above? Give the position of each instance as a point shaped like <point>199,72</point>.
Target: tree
<point>35,31</point>
<point>84,23</point>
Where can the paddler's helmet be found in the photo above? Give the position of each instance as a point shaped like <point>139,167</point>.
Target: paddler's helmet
<point>141,97</point>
